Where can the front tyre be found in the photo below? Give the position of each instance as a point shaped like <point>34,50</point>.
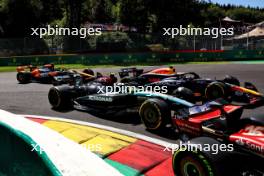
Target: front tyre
<point>58,99</point>
<point>154,114</point>
<point>23,78</point>
<point>199,157</point>
<point>191,164</point>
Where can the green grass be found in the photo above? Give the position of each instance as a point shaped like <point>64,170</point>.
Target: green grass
<point>80,66</point>
<point>67,66</point>
<point>7,68</point>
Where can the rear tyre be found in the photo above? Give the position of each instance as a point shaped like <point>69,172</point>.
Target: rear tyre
<point>59,99</point>
<point>216,90</point>
<point>23,78</point>
<point>154,114</point>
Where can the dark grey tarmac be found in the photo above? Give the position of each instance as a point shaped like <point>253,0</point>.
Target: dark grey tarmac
<point>32,98</point>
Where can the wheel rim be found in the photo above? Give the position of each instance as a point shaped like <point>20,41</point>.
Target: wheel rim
<point>190,169</point>
<point>215,92</point>
<point>20,77</point>
<point>152,118</point>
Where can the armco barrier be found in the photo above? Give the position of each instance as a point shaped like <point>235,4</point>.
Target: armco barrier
<point>135,58</point>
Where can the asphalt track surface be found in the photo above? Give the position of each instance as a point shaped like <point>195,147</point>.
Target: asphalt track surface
<point>32,98</point>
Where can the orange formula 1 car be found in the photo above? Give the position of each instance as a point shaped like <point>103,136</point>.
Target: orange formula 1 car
<point>43,74</point>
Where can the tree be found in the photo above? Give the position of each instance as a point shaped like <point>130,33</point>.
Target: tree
<point>134,13</point>
<point>18,16</point>
<point>103,12</point>
<point>73,12</point>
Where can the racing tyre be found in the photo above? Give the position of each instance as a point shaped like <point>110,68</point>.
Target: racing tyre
<point>88,71</point>
<point>58,99</point>
<point>231,80</point>
<point>23,78</point>
<point>184,93</point>
<point>195,162</point>
<point>216,90</point>
<point>154,114</point>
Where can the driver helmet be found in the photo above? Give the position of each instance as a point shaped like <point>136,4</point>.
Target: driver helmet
<point>113,77</point>
<point>172,69</point>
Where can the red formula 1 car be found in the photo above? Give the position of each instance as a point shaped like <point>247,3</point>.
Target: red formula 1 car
<point>43,74</point>
<point>229,146</point>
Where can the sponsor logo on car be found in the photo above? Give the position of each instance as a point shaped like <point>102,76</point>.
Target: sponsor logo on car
<point>99,98</point>
<point>250,145</point>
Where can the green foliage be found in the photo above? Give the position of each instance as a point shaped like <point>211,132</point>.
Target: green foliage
<point>246,14</point>
<point>134,13</point>
<point>212,14</point>
<point>17,16</point>
<point>148,16</point>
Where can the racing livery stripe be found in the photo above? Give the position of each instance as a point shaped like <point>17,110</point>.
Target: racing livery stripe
<point>129,155</point>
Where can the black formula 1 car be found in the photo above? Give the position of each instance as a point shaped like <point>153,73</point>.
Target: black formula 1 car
<point>62,96</point>
<point>154,108</point>
<point>191,87</point>
<point>188,87</point>
<point>185,86</point>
